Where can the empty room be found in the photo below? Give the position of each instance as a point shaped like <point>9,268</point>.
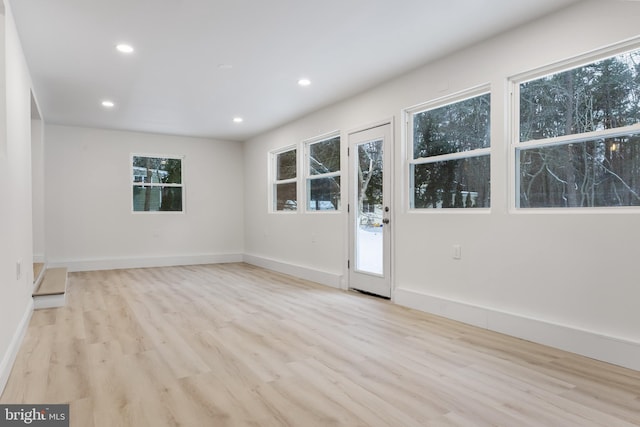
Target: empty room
<point>320,213</point>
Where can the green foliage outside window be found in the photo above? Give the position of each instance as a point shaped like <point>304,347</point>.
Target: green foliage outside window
<point>157,184</point>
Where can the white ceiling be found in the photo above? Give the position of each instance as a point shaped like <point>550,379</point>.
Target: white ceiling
<point>173,82</point>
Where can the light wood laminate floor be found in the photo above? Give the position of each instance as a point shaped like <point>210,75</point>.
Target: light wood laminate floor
<point>235,345</point>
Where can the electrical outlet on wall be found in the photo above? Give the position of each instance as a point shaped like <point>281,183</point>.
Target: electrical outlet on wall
<point>457,252</point>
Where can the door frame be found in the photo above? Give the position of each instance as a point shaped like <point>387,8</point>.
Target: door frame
<point>390,147</point>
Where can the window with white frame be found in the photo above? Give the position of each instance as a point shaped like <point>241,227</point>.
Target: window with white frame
<point>157,184</point>
<point>577,134</point>
<point>322,172</point>
<point>449,146</point>
<point>285,180</point>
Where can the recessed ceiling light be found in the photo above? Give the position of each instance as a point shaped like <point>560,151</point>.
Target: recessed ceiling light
<point>124,48</point>
<point>108,104</point>
<point>238,120</point>
<point>225,66</point>
<point>304,82</point>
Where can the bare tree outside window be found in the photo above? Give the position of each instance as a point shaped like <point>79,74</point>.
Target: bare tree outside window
<point>323,174</point>
<point>370,170</point>
<point>579,136</point>
<point>285,185</point>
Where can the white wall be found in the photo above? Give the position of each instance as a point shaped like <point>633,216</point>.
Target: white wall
<point>37,173</point>
<point>566,280</point>
<point>15,195</point>
<point>89,221</point>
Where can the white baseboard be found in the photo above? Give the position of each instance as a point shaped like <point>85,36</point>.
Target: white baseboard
<point>328,279</point>
<point>122,263</point>
<point>8,359</point>
<point>618,351</point>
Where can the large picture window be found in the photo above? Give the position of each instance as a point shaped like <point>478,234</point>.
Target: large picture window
<point>285,183</point>
<point>577,142</point>
<point>157,184</point>
<point>323,174</point>
<point>449,144</point>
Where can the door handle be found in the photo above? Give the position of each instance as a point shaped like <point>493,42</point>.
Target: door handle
<point>385,221</point>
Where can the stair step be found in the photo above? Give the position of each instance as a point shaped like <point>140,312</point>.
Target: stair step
<point>52,291</point>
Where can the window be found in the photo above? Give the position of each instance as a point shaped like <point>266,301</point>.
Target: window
<point>323,174</point>
<point>157,184</point>
<point>285,184</point>
<point>577,140</point>
<point>449,142</point>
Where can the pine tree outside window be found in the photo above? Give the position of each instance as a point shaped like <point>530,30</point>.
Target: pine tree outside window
<point>449,145</point>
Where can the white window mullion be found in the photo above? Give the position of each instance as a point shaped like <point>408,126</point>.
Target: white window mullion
<point>581,137</point>
<point>453,156</point>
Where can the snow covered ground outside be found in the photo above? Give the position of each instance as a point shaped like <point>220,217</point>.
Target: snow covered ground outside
<point>369,256</point>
